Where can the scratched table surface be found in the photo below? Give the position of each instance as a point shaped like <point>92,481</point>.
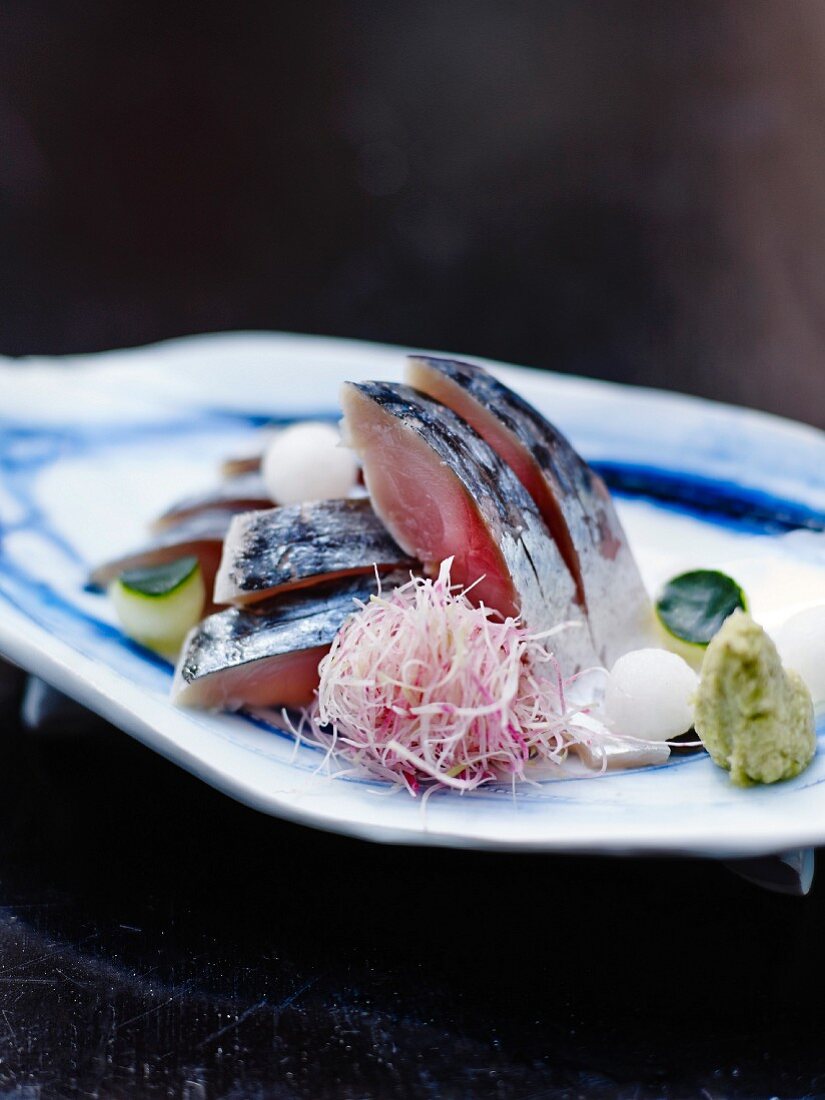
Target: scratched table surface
<point>158,939</point>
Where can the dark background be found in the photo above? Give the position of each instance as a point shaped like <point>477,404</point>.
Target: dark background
<point>633,190</point>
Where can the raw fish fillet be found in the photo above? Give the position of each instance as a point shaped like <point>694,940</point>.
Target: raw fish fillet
<point>237,494</point>
<point>238,465</point>
<point>236,658</point>
<point>572,498</point>
<point>299,544</point>
<point>443,492</point>
<point>201,535</point>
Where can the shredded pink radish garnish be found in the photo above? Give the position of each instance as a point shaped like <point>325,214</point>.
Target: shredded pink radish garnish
<point>421,687</point>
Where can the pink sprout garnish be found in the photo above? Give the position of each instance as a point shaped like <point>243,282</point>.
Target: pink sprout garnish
<point>422,688</point>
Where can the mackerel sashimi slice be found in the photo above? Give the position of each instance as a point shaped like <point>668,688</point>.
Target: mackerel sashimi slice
<point>237,465</point>
<point>572,498</point>
<point>236,658</point>
<point>200,535</point>
<point>299,544</point>
<point>237,494</point>
<point>443,492</point>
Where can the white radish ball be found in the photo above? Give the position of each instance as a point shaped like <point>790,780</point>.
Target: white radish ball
<point>801,644</point>
<point>649,694</point>
<point>308,462</point>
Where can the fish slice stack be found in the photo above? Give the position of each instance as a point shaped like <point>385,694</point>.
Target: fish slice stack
<point>196,527</point>
<point>456,465</point>
<point>292,575</point>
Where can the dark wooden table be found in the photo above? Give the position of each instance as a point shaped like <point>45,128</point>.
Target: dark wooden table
<point>157,939</point>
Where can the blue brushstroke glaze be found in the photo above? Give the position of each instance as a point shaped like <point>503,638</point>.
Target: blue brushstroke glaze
<point>710,499</point>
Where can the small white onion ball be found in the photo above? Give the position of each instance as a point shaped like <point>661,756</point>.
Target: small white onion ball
<point>308,462</point>
<point>801,645</point>
<point>649,694</point>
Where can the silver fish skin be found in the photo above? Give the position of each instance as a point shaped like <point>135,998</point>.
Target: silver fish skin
<point>236,658</point>
<point>243,493</point>
<point>543,587</point>
<point>297,544</point>
<point>584,523</point>
<point>201,534</point>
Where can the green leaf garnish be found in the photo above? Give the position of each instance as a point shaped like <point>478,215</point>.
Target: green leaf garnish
<point>694,605</point>
<point>159,580</point>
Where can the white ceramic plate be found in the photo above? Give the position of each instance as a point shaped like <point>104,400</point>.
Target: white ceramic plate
<point>92,447</point>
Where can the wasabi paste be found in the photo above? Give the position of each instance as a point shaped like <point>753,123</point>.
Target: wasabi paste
<point>754,717</point>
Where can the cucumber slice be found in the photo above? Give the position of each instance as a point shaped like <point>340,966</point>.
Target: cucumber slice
<point>159,580</point>
<point>158,606</point>
<point>693,606</point>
